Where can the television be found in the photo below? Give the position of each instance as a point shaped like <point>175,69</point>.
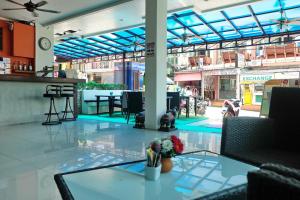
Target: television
<point>1,38</point>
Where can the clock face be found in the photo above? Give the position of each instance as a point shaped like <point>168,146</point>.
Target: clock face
<point>44,43</point>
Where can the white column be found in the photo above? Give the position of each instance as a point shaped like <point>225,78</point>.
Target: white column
<point>238,85</point>
<point>43,58</point>
<point>203,84</point>
<point>156,62</point>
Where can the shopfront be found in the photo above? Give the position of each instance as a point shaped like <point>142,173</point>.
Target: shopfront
<point>221,84</point>
<point>252,87</point>
<point>227,87</point>
<point>191,79</point>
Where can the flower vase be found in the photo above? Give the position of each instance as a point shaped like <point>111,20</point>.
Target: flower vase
<point>166,165</point>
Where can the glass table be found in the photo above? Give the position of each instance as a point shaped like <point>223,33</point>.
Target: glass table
<point>194,175</point>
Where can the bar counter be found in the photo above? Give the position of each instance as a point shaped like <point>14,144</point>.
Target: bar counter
<point>22,101</point>
<point>16,78</point>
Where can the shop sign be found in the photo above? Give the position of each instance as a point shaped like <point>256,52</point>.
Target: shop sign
<point>220,72</point>
<point>240,60</point>
<point>150,49</point>
<point>256,78</point>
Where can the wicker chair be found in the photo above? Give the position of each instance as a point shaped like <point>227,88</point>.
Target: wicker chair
<point>273,182</point>
<point>270,182</point>
<point>266,140</point>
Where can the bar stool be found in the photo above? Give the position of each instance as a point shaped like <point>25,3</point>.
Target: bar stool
<point>68,91</point>
<point>52,91</point>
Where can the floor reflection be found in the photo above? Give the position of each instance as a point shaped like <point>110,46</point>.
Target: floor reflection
<point>30,154</point>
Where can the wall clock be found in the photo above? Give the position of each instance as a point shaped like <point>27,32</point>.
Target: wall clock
<point>44,43</point>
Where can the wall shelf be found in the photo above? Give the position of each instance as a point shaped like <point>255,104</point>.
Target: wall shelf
<point>24,72</point>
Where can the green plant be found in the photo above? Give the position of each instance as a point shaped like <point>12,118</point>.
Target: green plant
<point>91,85</point>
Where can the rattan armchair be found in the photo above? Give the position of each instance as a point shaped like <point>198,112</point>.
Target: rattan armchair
<point>266,140</point>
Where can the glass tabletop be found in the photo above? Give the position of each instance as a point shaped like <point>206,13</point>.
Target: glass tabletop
<point>194,175</point>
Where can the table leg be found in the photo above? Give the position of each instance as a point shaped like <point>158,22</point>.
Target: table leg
<point>110,105</point>
<point>187,107</point>
<point>195,106</point>
<point>98,102</point>
<point>169,104</point>
<point>75,101</point>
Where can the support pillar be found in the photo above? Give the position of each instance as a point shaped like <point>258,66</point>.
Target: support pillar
<point>203,84</point>
<point>238,85</point>
<point>156,62</point>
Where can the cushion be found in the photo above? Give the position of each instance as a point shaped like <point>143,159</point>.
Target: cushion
<point>265,184</point>
<point>282,170</point>
<point>285,109</point>
<point>277,156</point>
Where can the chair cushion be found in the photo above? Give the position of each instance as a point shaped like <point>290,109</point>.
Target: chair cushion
<point>277,156</point>
<point>285,109</point>
<point>265,184</point>
<point>282,170</point>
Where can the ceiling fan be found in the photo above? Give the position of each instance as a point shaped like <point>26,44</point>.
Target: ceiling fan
<point>68,35</point>
<point>136,43</point>
<point>32,7</point>
<point>283,22</point>
<point>186,37</point>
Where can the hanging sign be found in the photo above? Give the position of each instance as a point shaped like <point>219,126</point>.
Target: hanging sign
<point>150,49</point>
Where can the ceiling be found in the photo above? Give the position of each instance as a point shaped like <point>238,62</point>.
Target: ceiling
<point>113,18</point>
<point>188,27</point>
<point>93,17</point>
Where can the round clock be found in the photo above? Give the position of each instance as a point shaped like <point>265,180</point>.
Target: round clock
<point>44,43</point>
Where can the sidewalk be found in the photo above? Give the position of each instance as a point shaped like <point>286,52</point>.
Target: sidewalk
<point>219,103</point>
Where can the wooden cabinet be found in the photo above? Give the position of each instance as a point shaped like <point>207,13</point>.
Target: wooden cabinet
<point>23,40</point>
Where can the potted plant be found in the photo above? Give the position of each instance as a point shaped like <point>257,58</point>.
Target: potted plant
<point>169,147</point>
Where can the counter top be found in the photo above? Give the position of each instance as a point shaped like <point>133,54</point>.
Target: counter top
<point>16,78</point>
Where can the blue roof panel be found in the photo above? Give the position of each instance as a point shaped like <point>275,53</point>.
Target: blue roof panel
<point>190,20</point>
<point>237,11</point>
<point>266,6</point>
<point>247,22</point>
<point>173,24</point>
<point>213,16</point>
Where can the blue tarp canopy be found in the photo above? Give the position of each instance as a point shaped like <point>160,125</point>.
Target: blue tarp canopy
<point>185,28</point>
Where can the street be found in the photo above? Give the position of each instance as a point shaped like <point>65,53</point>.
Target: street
<point>215,117</point>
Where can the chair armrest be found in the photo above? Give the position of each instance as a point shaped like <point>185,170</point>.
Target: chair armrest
<point>265,184</point>
<point>282,170</point>
<point>238,192</point>
<point>242,134</point>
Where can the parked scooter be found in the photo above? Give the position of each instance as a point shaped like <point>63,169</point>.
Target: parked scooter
<point>201,106</point>
<point>231,108</point>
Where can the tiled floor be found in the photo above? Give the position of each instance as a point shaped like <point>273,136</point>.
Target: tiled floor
<point>30,154</point>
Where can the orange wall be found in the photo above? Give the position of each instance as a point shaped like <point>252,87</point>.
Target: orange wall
<point>7,50</point>
<point>7,40</point>
<point>23,40</point>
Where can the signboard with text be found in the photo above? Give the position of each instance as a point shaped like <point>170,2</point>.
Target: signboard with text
<point>256,78</point>
<point>150,49</point>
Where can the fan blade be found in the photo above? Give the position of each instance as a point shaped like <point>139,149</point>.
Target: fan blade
<point>35,14</point>
<point>294,19</point>
<point>15,2</point>
<point>13,8</point>
<point>50,11</point>
<point>295,23</point>
<point>42,3</point>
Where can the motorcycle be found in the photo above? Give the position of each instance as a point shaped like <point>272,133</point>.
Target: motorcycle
<point>201,105</point>
<point>231,108</point>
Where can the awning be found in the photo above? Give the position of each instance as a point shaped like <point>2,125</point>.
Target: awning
<point>188,76</point>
